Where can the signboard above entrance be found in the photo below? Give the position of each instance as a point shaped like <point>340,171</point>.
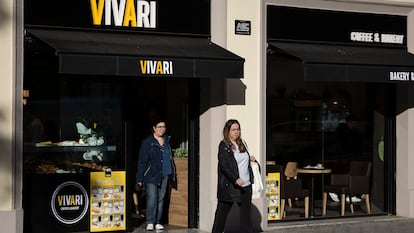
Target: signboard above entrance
<point>184,16</point>
<point>302,24</point>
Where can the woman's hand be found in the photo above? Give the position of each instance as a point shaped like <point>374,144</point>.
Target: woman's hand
<point>239,182</point>
<point>252,158</point>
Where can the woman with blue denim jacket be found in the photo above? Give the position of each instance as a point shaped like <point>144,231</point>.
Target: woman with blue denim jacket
<point>155,167</point>
<point>235,179</point>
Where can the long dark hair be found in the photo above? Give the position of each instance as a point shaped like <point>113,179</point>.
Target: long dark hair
<point>226,131</point>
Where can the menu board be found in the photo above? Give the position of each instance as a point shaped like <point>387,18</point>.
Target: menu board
<point>107,201</point>
<point>273,196</point>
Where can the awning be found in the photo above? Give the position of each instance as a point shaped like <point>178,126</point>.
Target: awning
<point>139,54</point>
<point>325,62</point>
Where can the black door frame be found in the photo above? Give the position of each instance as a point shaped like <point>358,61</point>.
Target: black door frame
<point>194,153</point>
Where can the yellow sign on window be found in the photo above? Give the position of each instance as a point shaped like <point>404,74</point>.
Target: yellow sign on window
<point>107,201</point>
<point>273,196</point>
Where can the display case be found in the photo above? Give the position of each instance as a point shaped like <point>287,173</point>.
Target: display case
<point>63,180</point>
<point>56,158</point>
<point>58,177</point>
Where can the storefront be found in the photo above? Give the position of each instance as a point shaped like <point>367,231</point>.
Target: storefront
<point>331,96</point>
<point>310,65</point>
<point>102,75</point>
<point>96,73</point>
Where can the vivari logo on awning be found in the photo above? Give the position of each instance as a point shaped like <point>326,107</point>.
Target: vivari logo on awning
<point>159,67</point>
<point>125,13</point>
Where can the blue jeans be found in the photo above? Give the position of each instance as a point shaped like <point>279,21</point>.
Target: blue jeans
<point>155,201</point>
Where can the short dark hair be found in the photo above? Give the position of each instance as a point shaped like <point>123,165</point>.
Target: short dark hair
<point>158,120</point>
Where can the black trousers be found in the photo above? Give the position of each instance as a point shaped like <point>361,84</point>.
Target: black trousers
<point>245,206</point>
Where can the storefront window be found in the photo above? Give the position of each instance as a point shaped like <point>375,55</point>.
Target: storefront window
<point>329,123</point>
<point>77,126</point>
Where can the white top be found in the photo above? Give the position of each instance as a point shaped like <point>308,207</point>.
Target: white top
<point>243,160</point>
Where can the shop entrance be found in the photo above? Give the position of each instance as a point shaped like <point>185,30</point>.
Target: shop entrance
<point>120,111</point>
<point>173,101</point>
<point>86,88</point>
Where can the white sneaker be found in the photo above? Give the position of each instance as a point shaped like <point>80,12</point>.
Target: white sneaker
<point>150,227</point>
<point>159,227</point>
<point>354,199</point>
<point>334,197</point>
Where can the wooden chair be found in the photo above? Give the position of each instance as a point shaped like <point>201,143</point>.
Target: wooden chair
<point>290,173</point>
<point>290,170</point>
<point>292,188</point>
<point>355,182</point>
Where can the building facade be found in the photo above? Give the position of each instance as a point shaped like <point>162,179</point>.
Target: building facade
<point>245,99</point>
<point>255,126</point>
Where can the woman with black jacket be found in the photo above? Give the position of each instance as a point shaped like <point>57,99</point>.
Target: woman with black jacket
<point>235,178</point>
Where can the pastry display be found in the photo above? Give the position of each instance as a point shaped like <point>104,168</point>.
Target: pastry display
<point>89,165</point>
<point>46,168</point>
<point>107,206</point>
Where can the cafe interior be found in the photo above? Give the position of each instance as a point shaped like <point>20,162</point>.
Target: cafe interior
<point>326,138</point>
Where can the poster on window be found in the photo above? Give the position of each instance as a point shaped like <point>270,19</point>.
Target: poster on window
<point>273,196</point>
<point>107,201</point>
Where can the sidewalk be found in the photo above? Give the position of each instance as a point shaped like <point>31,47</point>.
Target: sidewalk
<point>376,224</point>
<point>380,224</point>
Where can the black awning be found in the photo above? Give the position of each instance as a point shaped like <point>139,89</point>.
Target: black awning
<point>326,62</point>
<point>134,54</point>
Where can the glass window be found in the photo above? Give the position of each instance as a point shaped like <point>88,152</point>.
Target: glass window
<point>329,123</point>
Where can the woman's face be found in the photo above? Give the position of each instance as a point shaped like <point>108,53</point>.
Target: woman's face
<point>234,132</point>
<point>159,129</point>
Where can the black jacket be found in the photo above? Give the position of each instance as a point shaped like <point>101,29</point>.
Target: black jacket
<point>228,173</point>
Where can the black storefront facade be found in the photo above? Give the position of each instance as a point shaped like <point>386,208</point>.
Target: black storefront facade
<point>324,67</point>
<point>310,51</point>
<point>111,66</point>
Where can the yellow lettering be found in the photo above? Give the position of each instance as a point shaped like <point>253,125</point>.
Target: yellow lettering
<point>72,200</point>
<point>60,199</point>
<point>143,66</point>
<point>130,16</point>
<point>159,68</point>
<point>97,11</point>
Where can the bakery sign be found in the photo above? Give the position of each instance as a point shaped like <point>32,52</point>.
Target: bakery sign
<point>69,202</point>
<point>401,76</point>
<point>375,37</point>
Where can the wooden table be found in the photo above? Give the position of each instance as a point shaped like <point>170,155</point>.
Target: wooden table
<point>313,172</point>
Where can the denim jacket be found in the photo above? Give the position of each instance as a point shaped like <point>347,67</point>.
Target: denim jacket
<point>150,161</point>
